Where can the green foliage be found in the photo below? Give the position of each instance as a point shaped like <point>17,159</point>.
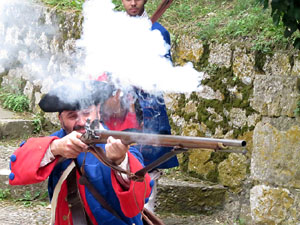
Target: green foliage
<point>4,193</point>
<point>297,110</point>
<point>287,12</point>
<point>38,121</point>
<point>241,221</point>
<point>215,20</point>
<point>14,102</point>
<point>66,4</point>
<point>30,198</point>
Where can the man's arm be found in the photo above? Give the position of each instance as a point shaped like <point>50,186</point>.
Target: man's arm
<point>25,162</point>
<point>132,196</point>
<point>132,200</point>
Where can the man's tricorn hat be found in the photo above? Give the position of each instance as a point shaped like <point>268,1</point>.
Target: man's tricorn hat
<point>74,94</point>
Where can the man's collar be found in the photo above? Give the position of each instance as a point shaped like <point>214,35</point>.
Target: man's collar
<point>144,15</point>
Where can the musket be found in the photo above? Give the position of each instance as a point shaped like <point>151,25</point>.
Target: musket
<point>160,10</point>
<point>94,136</point>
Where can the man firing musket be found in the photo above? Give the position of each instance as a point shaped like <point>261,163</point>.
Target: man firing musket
<point>94,136</point>
<point>87,184</point>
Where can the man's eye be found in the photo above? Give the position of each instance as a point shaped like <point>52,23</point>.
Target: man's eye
<point>73,117</point>
<point>85,113</point>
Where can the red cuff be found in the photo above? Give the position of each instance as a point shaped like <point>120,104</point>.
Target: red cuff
<point>132,200</point>
<point>26,160</point>
<point>125,184</point>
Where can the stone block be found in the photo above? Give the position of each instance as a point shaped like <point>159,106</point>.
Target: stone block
<point>13,81</point>
<point>200,164</point>
<point>188,50</point>
<point>238,118</point>
<point>220,55</point>
<point>182,197</point>
<point>28,91</point>
<point>243,64</point>
<point>275,95</point>
<point>278,65</point>
<point>15,128</point>
<point>233,171</point>
<point>276,155</point>
<point>270,205</point>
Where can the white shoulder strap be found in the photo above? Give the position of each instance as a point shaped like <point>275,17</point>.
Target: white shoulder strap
<point>57,190</point>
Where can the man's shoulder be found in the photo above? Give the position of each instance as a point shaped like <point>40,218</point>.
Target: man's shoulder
<point>60,133</point>
<point>158,26</point>
<point>163,31</point>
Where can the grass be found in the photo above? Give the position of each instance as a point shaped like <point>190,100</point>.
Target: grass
<point>37,198</point>
<point>75,5</point>
<point>14,102</point>
<point>212,20</point>
<point>4,194</point>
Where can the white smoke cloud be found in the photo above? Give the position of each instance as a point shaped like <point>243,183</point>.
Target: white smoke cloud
<point>111,41</point>
<point>126,47</point>
<point>29,42</point>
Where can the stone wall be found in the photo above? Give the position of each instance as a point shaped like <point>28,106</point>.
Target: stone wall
<point>246,95</point>
<point>36,49</point>
<point>252,96</point>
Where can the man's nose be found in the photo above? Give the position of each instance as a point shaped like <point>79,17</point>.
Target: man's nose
<point>133,2</point>
<point>81,120</point>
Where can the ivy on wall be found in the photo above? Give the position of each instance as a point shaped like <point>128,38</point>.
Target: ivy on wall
<point>287,11</point>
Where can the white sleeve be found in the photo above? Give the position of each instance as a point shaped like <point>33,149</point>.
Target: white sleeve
<point>125,166</point>
<point>48,158</point>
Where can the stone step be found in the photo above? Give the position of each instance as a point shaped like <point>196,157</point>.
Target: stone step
<point>15,128</point>
<point>12,125</point>
<point>189,197</point>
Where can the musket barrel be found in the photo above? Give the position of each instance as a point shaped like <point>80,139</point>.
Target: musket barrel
<point>167,140</point>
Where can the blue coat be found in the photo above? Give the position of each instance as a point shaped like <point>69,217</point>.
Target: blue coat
<point>100,179</point>
<point>155,116</point>
<point>165,34</point>
<point>25,169</point>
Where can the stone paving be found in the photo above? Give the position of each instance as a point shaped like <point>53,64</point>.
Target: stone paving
<point>12,213</point>
<point>18,214</point>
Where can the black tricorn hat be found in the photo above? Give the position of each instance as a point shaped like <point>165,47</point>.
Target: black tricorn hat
<point>74,94</point>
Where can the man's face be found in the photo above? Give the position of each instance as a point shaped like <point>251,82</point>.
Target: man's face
<point>112,107</point>
<point>134,7</point>
<point>75,120</point>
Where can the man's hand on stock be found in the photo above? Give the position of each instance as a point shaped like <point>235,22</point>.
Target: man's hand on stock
<point>116,150</point>
<point>69,146</point>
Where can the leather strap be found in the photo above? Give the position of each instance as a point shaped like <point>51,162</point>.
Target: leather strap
<point>148,217</point>
<point>99,153</point>
<point>84,181</point>
<point>79,216</point>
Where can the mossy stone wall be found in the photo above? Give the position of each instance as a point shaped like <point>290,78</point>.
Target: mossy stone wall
<point>246,95</point>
